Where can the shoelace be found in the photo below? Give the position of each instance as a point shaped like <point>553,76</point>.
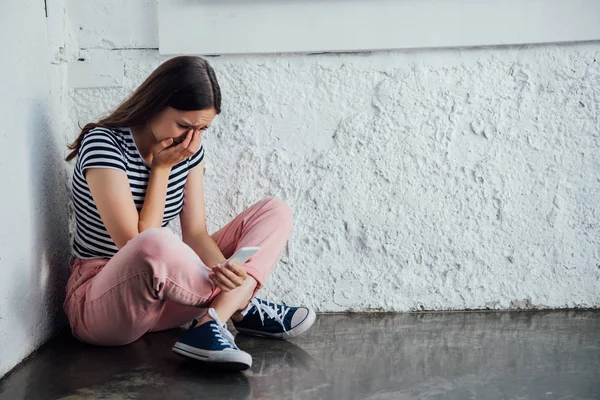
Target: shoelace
<point>220,329</point>
<point>272,312</point>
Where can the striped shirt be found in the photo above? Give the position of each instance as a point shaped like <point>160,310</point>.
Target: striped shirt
<point>116,149</point>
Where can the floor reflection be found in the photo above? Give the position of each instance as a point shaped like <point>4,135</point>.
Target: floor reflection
<point>348,356</point>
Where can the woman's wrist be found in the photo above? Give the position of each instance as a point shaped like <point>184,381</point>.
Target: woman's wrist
<point>160,169</point>
<point>152,212</point>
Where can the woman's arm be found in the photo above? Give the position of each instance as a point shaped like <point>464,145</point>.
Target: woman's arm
<point>193,219</point>
<point>193,225</point>
<point>153,210</point>
<point>112,194</point>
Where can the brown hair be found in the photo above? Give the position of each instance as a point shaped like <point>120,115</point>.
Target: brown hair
<point>184,83</point>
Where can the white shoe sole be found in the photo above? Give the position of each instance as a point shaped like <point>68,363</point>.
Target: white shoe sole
<point>232,359</point>
<point>298,330</point>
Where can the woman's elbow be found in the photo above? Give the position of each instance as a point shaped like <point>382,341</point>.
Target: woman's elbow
<point>123,240</point>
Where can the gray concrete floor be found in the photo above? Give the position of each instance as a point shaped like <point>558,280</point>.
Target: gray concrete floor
<point>516,355</point>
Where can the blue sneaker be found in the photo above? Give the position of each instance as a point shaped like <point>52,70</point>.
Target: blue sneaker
<point>211,342</point>
<point>272,320</point>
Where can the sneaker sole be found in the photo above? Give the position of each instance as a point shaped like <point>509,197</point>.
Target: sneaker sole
<point>224,359</point>
<point>298,330</point>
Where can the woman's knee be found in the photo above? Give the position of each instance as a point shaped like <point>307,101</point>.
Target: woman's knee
<point>166,255</point>
<point>158,244</point>
<point>281,210</point>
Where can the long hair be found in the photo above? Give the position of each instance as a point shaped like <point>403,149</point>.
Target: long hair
<point>185,83</point>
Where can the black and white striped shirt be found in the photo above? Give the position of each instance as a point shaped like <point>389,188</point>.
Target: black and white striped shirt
<point>116,149</point>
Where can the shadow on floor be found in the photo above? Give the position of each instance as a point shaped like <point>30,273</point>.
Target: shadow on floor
<point>520,355</point>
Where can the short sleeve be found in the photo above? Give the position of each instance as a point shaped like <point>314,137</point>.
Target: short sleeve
<point>100,149</point>
<point>197,158</point>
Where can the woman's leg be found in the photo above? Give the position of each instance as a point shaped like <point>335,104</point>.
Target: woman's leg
<point>266,224</point>
<point>127,296</point>
<point>156,281</point>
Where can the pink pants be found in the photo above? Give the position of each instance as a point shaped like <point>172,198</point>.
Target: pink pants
<point>157,282</point>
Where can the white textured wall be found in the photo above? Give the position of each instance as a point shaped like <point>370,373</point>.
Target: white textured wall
<point>454,179</point>
<point>34,241</point>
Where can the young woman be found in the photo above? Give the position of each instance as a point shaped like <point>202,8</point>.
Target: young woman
<point>138,169</point>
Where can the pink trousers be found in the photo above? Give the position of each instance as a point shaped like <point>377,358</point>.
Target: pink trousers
<point>157,282</point>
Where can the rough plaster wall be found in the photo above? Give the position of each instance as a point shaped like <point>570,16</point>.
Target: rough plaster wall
<point>34,241</point>
<point>433,179</point>
<point>438,179</point>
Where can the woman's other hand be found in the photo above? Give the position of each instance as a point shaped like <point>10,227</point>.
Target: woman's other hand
<point>228,276</point>
<point>167,153</point>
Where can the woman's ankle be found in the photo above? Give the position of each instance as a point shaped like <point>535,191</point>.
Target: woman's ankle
<point>226,305</point>
<point>237,317</point>
<point>203,320</point>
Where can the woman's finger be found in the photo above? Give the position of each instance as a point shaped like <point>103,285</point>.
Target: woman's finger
<point>188,138</point>
<point>195,143</point>
<point>236,269</point>
<point>219,284</point>
<point>232,276</point>
<point>163,144</point>
<point>193,146</point>
<point>221,277</point>
<point>225,282</point>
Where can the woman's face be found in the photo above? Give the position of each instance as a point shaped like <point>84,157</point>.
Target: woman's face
<point>172,123</point>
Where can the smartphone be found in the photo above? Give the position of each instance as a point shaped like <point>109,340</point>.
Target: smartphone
<point>243,255</point>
